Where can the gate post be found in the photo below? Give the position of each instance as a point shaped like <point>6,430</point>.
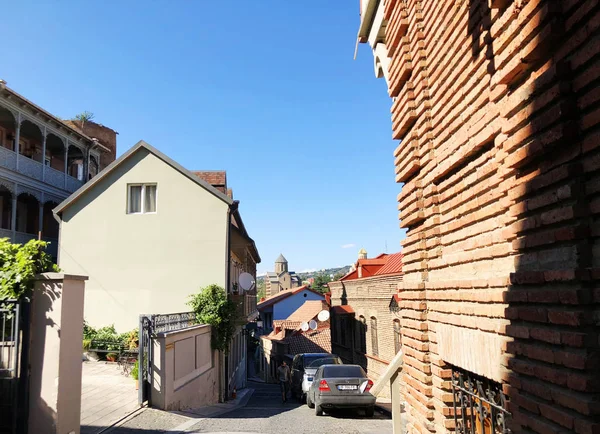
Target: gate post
<point>56,354</point>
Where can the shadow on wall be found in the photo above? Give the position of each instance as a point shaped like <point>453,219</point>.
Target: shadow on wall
<point>39,415</point>
<point>552,167</point>
<point>349,339</point>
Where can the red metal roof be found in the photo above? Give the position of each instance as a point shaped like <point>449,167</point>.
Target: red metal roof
<point>392,266</point>
<point>382,265</point>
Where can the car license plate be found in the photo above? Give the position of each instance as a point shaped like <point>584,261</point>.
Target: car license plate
<point>347,387</point>
<point>310,378</point>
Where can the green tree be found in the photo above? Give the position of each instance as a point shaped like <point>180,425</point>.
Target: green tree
<point>261,288</point>
<point>338,275</point>
<point>19,263</point>
<point>212,307</point>
<point>320,283</point>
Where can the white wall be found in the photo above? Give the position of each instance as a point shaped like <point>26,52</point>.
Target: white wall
<point>143,263</point>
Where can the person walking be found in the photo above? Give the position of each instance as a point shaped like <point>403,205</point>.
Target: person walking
<point>285,378</point>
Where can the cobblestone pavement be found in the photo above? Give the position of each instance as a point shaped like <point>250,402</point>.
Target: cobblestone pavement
<point>265,413</point>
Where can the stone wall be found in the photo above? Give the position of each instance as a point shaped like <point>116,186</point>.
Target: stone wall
<point>496,104</point>
<point>369,297</point>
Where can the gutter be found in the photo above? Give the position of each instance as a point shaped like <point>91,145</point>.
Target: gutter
<point>367,22</point>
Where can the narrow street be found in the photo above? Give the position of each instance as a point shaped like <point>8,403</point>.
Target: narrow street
<point>265,413</point>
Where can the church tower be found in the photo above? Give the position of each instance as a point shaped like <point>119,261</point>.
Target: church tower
<point>281,265</point>
<point>362,254</point>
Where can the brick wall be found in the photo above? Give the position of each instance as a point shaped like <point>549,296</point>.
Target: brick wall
<point>497,104</point>
<point>105,136</point>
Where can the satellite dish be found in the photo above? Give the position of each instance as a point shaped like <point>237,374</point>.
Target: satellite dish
<point>313,324</point>
<point>323,315</point>
<point>246,281</point>
<point>304,326</point>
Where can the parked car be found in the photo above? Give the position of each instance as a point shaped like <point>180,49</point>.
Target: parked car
<point>304,367</point>
<point>341,386</point>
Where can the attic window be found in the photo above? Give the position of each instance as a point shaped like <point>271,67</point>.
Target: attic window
<point>141,198</point>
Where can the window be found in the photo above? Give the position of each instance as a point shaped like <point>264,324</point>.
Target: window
<point>141,199</point>
<point>361,335</point>
<point>397,336</point>
<point>479,404</point>
<point>374,345</point>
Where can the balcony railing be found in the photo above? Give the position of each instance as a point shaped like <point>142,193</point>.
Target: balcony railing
<point>22,238</point>
<point>35,169</point>
<point>8,158</point>
<point>30,167</point>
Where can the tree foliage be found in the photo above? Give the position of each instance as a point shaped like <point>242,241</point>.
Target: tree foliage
<point>212,307</point>
<point>320,283</point>
<point>19,263</point>
<point>85,116</point>
<point>261,288</point>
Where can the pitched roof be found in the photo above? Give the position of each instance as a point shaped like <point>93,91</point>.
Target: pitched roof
<point>131,151</point>
<point>309,310</point>
<point>286,324</point>
<point>284,294</point>
<point>382,265</point>
<point>392,266</point>
<point>280,259</point>
<point>312,341</point>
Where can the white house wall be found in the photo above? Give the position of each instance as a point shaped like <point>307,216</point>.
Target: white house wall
<point>143,263</point>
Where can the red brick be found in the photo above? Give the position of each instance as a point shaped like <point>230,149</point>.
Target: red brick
<point>556,415</point>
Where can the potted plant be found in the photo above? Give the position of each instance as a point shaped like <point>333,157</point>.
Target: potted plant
<point>112,357</point>
<point>135,374</point>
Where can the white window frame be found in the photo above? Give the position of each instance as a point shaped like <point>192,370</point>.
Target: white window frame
<point>143,198</point>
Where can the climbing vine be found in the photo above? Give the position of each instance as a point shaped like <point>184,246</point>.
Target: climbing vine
<point>212,307</point>
<point>19,263</point>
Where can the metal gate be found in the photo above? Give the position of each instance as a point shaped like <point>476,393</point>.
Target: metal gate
<point>150,325</point>
<point>145,359</point>
<point>14,366</point>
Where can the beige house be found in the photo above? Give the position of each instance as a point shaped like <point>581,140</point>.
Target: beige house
<point>149,233</point>
<point>281,279</point>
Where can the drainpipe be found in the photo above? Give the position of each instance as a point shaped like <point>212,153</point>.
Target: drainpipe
<point>59,220</point>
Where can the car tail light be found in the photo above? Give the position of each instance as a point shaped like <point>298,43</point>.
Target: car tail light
<point>324,387</point>
<point>369,385</point>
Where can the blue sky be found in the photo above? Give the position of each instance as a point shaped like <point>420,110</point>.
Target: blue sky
<point>267,90</point>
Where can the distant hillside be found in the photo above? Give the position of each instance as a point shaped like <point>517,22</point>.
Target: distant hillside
<point>307,275</point>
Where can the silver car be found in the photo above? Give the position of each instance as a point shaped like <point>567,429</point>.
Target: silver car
<point>304,368</point>
<point>341,386</point>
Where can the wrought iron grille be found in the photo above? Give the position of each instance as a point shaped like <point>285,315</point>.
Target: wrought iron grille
<point>14,349</point>
<point>173,321</point>
<point>479,404</point>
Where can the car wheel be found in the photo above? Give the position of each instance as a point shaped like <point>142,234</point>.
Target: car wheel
<point>309,401</point>
<point>318,410</point>
<point>370,411</point>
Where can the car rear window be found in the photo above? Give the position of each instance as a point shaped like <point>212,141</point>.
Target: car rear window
<point>315,362</point>
<point>343,371</point>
